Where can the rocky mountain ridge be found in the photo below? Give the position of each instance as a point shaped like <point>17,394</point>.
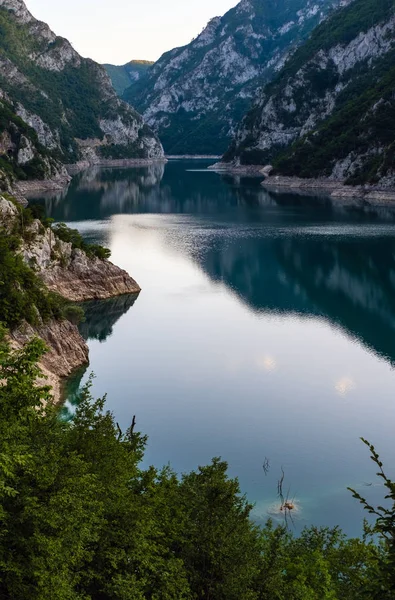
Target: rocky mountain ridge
<point>195,96</point>
<point>57,107</point>
<point>329,113</point>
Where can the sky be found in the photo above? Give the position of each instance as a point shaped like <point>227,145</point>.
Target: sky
<point>116,31</point>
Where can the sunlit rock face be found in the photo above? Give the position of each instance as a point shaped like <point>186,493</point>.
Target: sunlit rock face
<point>64,98</point>
<point>328,113</point>
<point>195,96</point>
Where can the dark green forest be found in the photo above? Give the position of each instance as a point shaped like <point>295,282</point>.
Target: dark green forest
<point>82,519</point>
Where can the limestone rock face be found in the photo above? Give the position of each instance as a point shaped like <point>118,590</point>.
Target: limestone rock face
<point>195,96</point>
<point>67,350</point>
<point>19,9</point>
<point>88,279</point>
<point>75,276</point>
<point>324,115</point>
<point>64,97</point>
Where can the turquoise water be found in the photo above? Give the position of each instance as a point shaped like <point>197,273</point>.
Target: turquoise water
<point>265,329</point>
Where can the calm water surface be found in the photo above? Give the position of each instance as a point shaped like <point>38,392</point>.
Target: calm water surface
<point>265,328</point>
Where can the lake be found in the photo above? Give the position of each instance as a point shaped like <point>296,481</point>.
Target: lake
<point>265,330</point>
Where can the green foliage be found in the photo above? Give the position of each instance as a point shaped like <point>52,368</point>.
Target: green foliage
<point>382,583</point>
<point>118,151</point>
<point>22,295</point>
<point>81,519</point>
<point>74,237</point>
<point>341,28</point>
<point>124,76</point>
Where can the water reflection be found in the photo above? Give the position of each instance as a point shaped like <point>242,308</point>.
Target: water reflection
<point>236,346</point>
<point>100,319</point>
<point>101,316</point>
<point>349,282</point>
<point>280,252</point>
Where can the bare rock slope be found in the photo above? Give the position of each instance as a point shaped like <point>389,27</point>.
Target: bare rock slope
<point>195,96</point>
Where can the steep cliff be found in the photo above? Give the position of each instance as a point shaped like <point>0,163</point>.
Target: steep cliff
<point>67,350</point>
<point>330,112</point>
<point>123,76</point>
<point>57,107</point>
<point>195,96</point>
<point>70,272</point>
<point>38,272</point>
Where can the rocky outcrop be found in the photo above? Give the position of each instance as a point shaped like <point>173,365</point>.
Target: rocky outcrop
<point>329,113</point>
<point>67,350</point>
<point>195,96</point>
<point>63,99</point>
<point>71,273</point>
<point>88,279</point>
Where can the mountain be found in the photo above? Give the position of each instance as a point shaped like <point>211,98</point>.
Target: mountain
<point>195,96</point>
<point>331,110</point>
<point>57,107</point>
<point>123,76</point>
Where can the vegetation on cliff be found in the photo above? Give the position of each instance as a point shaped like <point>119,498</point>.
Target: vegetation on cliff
<point>23,295</point>
<point>81,518</point>
<point>330,110</point>
<point>17,135</point>
<point>63,104</point>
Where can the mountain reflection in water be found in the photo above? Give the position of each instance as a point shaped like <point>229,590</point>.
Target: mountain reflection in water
<point>265,327</point>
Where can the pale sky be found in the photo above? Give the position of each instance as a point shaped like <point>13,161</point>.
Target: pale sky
<point>116,31</point>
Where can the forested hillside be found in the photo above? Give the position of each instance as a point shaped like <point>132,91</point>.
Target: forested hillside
<point>57,105</point>
<point>123,76</point>
<point>329,113</point>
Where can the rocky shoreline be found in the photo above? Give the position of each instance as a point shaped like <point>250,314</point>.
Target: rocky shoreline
<point>331,188</point>
<point>72,274</point>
